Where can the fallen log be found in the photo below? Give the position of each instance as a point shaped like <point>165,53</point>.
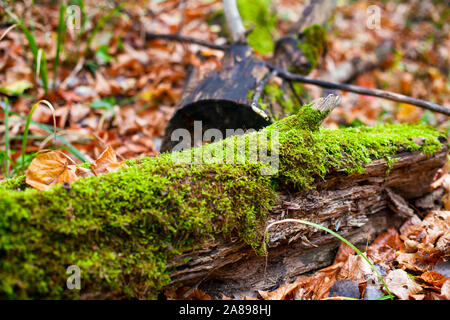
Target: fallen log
<point>357,206</point>
<point>167,221</point>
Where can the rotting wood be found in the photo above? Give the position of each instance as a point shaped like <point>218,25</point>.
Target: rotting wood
<point>357,206</point>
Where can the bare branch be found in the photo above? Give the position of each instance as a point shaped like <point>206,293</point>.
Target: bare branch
<point>360,90</point>
<point>181,38</point>
<point>234,21</point>
<point>321,83</point>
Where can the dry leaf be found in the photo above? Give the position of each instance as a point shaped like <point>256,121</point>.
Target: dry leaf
<point>186,293</point>
<point>49,169</point>
<point>434,278</point>
<point>107,162</point>
<point>357,269</point>
<point>400,284</point>
<point>383,249</point>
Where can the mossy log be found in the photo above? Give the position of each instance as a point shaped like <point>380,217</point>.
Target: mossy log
<point>167,221</point>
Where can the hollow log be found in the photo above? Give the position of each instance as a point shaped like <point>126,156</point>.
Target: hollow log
<point>221,99</point>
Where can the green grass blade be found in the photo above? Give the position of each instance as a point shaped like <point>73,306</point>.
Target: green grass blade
<point>30,38</point>
<point>60,41</point>
<point>61,139</point>
<point>42,70</point>
<point>315,225</point>
<point>27,126</point>
<point>25,133</point>
<point>386,297</point>
<point>6,122</point>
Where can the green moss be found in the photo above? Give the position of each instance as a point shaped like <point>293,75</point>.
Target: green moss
<point>256,14</point>
<point>275,95</point>
<point>313,44</point>
<point>122,228</point>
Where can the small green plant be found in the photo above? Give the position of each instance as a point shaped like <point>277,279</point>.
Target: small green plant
<point>104,19</point>
<point>42,70</point>
<point>105,103</point>
<point>318,226</point>
<point>50,130</point>
<point>38,58</point>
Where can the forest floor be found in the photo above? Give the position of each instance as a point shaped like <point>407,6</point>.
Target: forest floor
<point>108,85</point>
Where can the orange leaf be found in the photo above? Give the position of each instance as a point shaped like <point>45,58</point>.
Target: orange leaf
<point>49,169</point>
<point>107,162</point>
<point>434,278</point>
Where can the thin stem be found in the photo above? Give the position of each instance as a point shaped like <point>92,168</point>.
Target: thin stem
<point>360,90</point>
<point>181,38</point>
<point>334,234</point>
<point>260,87</point>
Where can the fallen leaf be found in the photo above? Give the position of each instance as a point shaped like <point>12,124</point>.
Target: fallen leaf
<point>383,249</point>
<point>356,269</point>
<point>400,284</point>
<point>186,293</point>
<point>49,169</point>
<point>343,253</point>
<point>19,86</point>
<point>434,278</point>
<point>107,162</point>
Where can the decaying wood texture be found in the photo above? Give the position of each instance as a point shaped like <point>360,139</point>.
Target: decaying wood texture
<point>357,206</point>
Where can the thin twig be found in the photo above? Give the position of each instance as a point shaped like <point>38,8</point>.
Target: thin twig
<point>295,93</point>
<point>181,38</point>
<point>360,90</point>
<point>260,87</point>
<point>321,83</point>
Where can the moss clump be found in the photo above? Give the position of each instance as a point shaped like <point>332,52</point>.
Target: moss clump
<point>310,153</point>
<point>122,228</point>
<point>313,44</point>
<point>256,14</point>
<point>275,95</point>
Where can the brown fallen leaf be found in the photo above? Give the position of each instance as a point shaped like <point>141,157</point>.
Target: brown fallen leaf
<point>434,278</point>
<point>49,169</point>
<point>107,162</point>
<point>400,284</point>
<point>383,249</point>
<point>283,292</point>
<point>357,269</point>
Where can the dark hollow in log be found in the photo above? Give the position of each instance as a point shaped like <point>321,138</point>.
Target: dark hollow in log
<point>356,205</point>
<point>222,99</point>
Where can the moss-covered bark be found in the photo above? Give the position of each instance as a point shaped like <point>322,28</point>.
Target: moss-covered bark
<point>121,228</point>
